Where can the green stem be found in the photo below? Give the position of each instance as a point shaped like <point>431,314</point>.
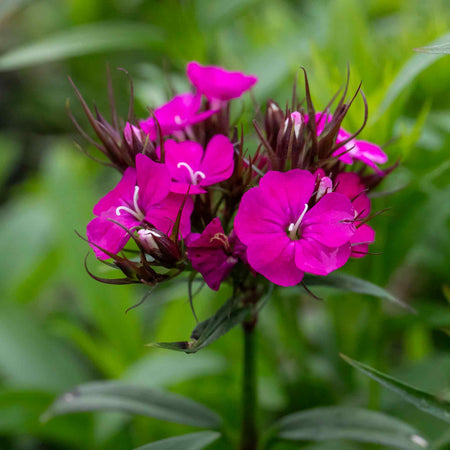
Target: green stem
<point>249,431</point>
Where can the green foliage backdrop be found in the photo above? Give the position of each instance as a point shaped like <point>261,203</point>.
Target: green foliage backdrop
<point>59,328</point>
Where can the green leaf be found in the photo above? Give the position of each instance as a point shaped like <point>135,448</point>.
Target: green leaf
<point>192,441</point>
<point>354,424</point>
<point>82,40</point>
<point>422,400</point>
<point>413,67</point>
<point>118,397</point>
<point>226,317</point>
<point>350,283</point>
<point>441,49</point>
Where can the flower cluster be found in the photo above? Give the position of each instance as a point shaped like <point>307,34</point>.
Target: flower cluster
<point>195,196</point>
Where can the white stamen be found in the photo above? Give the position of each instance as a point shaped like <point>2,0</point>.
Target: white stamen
<point>136,212</point>
<point>194,175</point>
<point>293,227</point>
<point>177,120</point>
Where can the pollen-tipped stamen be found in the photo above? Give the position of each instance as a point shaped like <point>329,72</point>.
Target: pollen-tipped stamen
<point>293,227</point>
<point>194,175</point>
<point>136,212</point>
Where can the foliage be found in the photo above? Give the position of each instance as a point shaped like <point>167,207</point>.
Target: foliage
<point>59,328</point>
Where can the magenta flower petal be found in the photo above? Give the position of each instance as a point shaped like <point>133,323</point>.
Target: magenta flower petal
<point>218,162</point>
<point>275,260</point>
<point>367,152</point>
<point>360,241</point>
<point>176,115</point>
<point>164,214</point>
<point>107,234</point>
<point>153,181</point>
<point>217,83</point>
<point>211,254</point>
<point>121,195</point>
<point>314,257</point>
<point>372,151</point>
<point>350,185</point>
<point>330,221</point>
<point>181,155</point>
<point>255,217</point>
<point>288,192</point>
<point>192,167</point>
<point>213,264</point>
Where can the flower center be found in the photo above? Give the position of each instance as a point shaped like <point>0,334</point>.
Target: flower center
<point>223,239</point>
<point>196,177</point>
<point>136,212</point>
<point>293,227</point>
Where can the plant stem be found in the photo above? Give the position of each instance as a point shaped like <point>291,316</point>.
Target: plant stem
<point>249,431</point>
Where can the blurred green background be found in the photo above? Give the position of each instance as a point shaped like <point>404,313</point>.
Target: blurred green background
<point>58,327</point>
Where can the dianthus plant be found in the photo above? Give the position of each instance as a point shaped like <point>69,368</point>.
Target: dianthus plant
<point>285,205</point>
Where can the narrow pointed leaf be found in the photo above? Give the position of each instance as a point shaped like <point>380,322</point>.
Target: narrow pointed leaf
<point>226,317</point>
<point>230,314</point>
<point>424,401</point>
<point>440,49</point>
<point>82,40</point>
<point>413,67</point>
<point>129,399</point>
<point>353,424</point>
<point>350,283</point>
<point>192,441</point>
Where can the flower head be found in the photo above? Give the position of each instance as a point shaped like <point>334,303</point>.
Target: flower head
<point>285,237</point>
<point>214,254</point>
<point>175,115</point>
<point>141,196</point>
<point>216,83</point>
<point>192,167</point>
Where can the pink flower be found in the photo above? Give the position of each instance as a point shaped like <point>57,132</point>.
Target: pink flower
<point>367,152</point>
<point>286,238</point>
<point>190,165</point>
<point>141,195</point>
<point>176,115</point>
<point>214,254</point>
<point>216,83</point>
<point>350,185</point>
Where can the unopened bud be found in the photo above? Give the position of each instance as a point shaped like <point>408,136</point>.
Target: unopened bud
<point>297,121</point>
<point>273,121</point>
<point>325,186</point>
<point>158,245</point>
<point>130,133</point>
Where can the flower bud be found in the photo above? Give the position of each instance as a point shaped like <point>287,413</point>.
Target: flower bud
<point>273,122</point>
<point>159,246</point>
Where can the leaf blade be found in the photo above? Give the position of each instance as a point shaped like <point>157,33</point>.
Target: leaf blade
<point>413,67</point>
<point>82,40</point>
<point>354,424</point>
<point>231,313</point>
<point>440,49</point>
<point>130,399</point>
<point>191,441</point>
<point>357,285</point>
<point>424,401</point>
